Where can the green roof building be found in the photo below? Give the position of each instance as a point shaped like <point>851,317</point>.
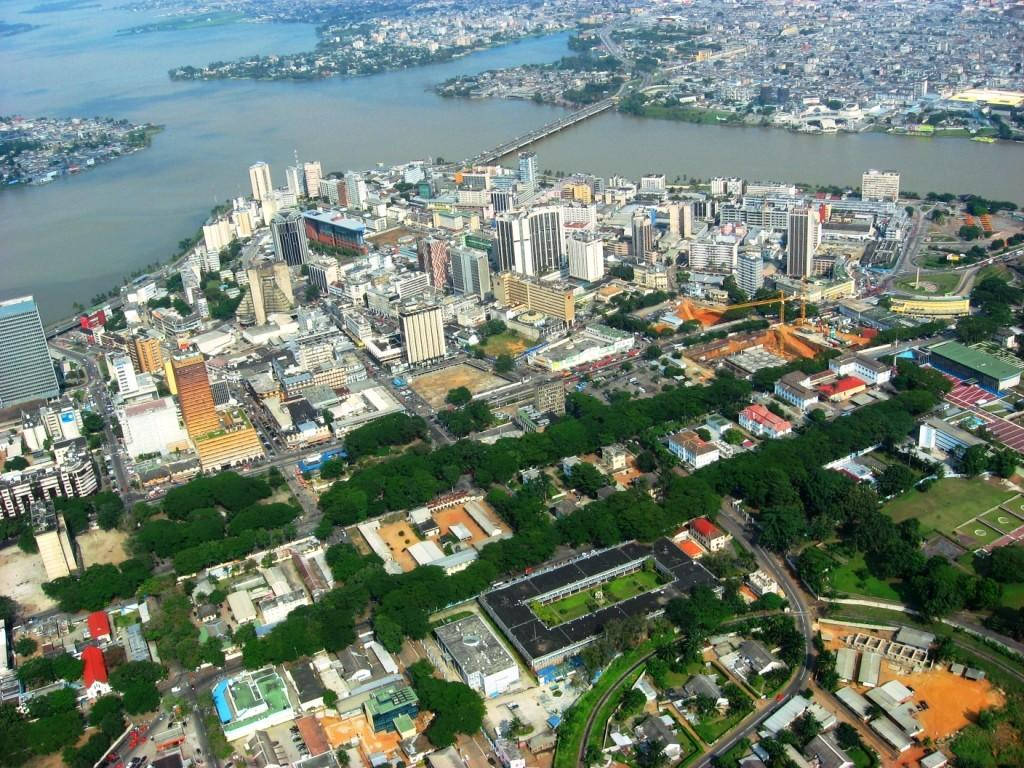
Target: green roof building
<point>968,363</point>
<point>388,704</point>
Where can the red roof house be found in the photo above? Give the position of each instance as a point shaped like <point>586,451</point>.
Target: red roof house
<point>99,625</point>
<point>708,535</point>
<point>843,389</point>
<point>94,672</point>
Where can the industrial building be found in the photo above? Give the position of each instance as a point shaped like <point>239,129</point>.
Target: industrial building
<point>965,362</point>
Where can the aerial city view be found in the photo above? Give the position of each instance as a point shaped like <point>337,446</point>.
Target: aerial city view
<point>538,385</point>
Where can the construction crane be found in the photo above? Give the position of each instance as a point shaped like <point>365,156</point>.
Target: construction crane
<point>781,300</point>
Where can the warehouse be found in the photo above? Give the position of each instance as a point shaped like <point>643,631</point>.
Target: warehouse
<point>965,362</point>
<point>478,654</point>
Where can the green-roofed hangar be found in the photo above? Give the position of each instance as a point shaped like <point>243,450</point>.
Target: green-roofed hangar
<point>967,363</point>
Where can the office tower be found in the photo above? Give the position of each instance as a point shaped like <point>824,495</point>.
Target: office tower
<point>270,292</point>
<point>146,355</point>
<point>471,272</point>
<point>530,242</point>
<point>355,189</point>
<point>333,191</point>
<point>289,232</point>
<point>880,185</point>
<point>686,220</point>
<point>434,256</point>
<point>422,332</point>
<point>123,373</point>
<point>554,299</point>
<point>503,200</point>
<point>803,239</point>
<point>714,253</point>
<point>672,212</point>
<point>295,180</point>
<point>26,371</point>
<point>312,173</point>
<point>194,395</point>
<point>750,272</point>
<point>653,185</point>
<point>586,256</point>
<point>643,235</point>
<point>528,170</point>
<point>259,177</point>
<point>323,272</point>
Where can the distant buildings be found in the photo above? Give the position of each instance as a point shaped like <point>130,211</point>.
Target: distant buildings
<point>880,185</point>
<point>26,370</point>
<point>557,301</point>
<point>259,178</point>
<point>530,242</point>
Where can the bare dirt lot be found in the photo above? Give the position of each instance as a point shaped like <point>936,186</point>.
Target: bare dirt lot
<point>399,537</point>
<point>21,575</point>
<point>100,547</point>
<point>433,387</point>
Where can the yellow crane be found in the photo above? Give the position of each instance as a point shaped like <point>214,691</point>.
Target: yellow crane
<point>781,300</point>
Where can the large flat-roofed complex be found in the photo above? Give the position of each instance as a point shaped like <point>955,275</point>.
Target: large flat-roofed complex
<point>335,230</point>
<point>517,607</point>
<point>26,371</point>
<point>558,301</point>
<point>591,344</point>
<point>969,363</point>
<point>479,656</point>
<point>931,306</point>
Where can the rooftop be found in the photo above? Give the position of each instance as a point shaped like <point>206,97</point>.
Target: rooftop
<point>982,362</point>
<point>474,646</point>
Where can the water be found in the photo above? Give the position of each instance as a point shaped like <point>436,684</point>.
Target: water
<point>66,241</point>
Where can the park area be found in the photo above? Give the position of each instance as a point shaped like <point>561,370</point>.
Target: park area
<point>434,386</point>
<point>615,591</point>
<point>959,508</point>
<point>930,282</point>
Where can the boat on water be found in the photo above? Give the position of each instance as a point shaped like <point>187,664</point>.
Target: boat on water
<point>984,139</point>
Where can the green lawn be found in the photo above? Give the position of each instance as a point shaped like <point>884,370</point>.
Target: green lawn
<point>846,580</point>
<point>943,282</point>
<point>582,603</point>
<point>711,729</point>
<point>1002,520</point>
<point>860,757</point>
<point>505,343</point>
<point>1013,595</point>
<point>948,504</point>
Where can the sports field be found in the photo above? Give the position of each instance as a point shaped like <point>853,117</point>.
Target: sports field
<point>582,603</point>
<point>948,504</point>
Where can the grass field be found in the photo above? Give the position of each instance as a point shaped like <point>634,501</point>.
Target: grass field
<point>932,282</point>
<point>852,578</point>
<point>974,535</point>
<point>1001,520</point>
<point>506,343</point>
<point>948,504</point>
<point>710,729</point>
<point>582,603</point>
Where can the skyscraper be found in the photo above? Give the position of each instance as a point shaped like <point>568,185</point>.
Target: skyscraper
<point>194,395</point>
<point>312,172</point>
<point>295,180</point>
<point>803,238</point>
<point>434,255</point>
<point>750,272</point>
<point>26,371</point>
<point>643,235</point>
<point>259,177</point>
<point>422,332</point>
<point>586,256</point>
<point>146,355</point>
<point>528,169</point>
<point>270,291</point>
<point>355,189</point>
<point>471,273</point>
<point>530,242</point>
<point>289,231</point>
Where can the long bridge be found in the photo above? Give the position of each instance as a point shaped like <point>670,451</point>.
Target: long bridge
<point>519,142</point>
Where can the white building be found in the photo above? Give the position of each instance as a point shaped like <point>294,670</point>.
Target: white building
<point>864,368</point>
<point>152,426</point>
<point>689,447</point>
<point>715,252</point>
<point>586,256</point>
<point>122,371</point>
<point>259,178</point>
<point>750,272</point>
<point>880,185</point>
<point>479,656</point>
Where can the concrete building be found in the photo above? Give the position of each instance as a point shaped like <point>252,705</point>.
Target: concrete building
<point>323,272</point>
<point>528,170</point>
<point>434,256</point>
<point>26,370</point>
<point>530,242</point>
<point>422,330</point>
<point>259,178</point>
<point>152,426</point>
<point>270,292</point>
<point>146,354</point>
<point>479,656</point>
<point>880,185</point>
<point>592,343</point>
<point>690,448</point>
<point>288,230</point>
<point>761,422</point>
<point>553,299</point>
<point>642,230</point>
<point>804,236</point>
<point>750,272</point>
<point>471,272</point>
<point>968,363</point>
<point>55,547</point>
<point>71,475</point>
<point>715,253</point>
<point>586,256</point>
<point>864,368</point>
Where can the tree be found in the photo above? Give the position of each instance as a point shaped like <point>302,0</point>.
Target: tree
<point>343,758</point>
<point>504,363</point>
<point>653,352</point>
<point>25,646</point>
<point>896,479</point>
<point>733,436</point>
<point>330,698</point>
<point>457,708</point>
<point>15,463</point>
<point>974,460</point>
<point>459,396</point>
<point>136,681</point>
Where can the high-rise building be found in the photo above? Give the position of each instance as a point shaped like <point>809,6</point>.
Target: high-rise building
<point>26,370</point>
<point>434,254</point>
<point>355,189</point>
<point>643,235</point>
<point>714,253</point>
<point>750,272</point>
<point>528,170</point>
<point>295,180</point>
<point>194,395</point>
<point>289,231</point>
<point>259,178</point>
<point>124,374</point>
<point>323,272</point>
<point>558,301</point>
<point>146,355</point>
<point>653,185</point>
<point>471,272</point>
<point>880,185</point>
<point>803,239</point>
<point>270,292</point>
<point>333,190</point>
<point>530,242</point>
<point>503,200</point>
<point>586,256</point>
<point>312,172</point>
<point>422,330</point>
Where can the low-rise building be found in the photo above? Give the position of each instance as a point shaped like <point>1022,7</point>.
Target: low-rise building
<point>761,422</point>
<point>865,368</point>
<point>794,388</point>
<point>692,449</point>
<point>709,535</point>
<point>476,652</point>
